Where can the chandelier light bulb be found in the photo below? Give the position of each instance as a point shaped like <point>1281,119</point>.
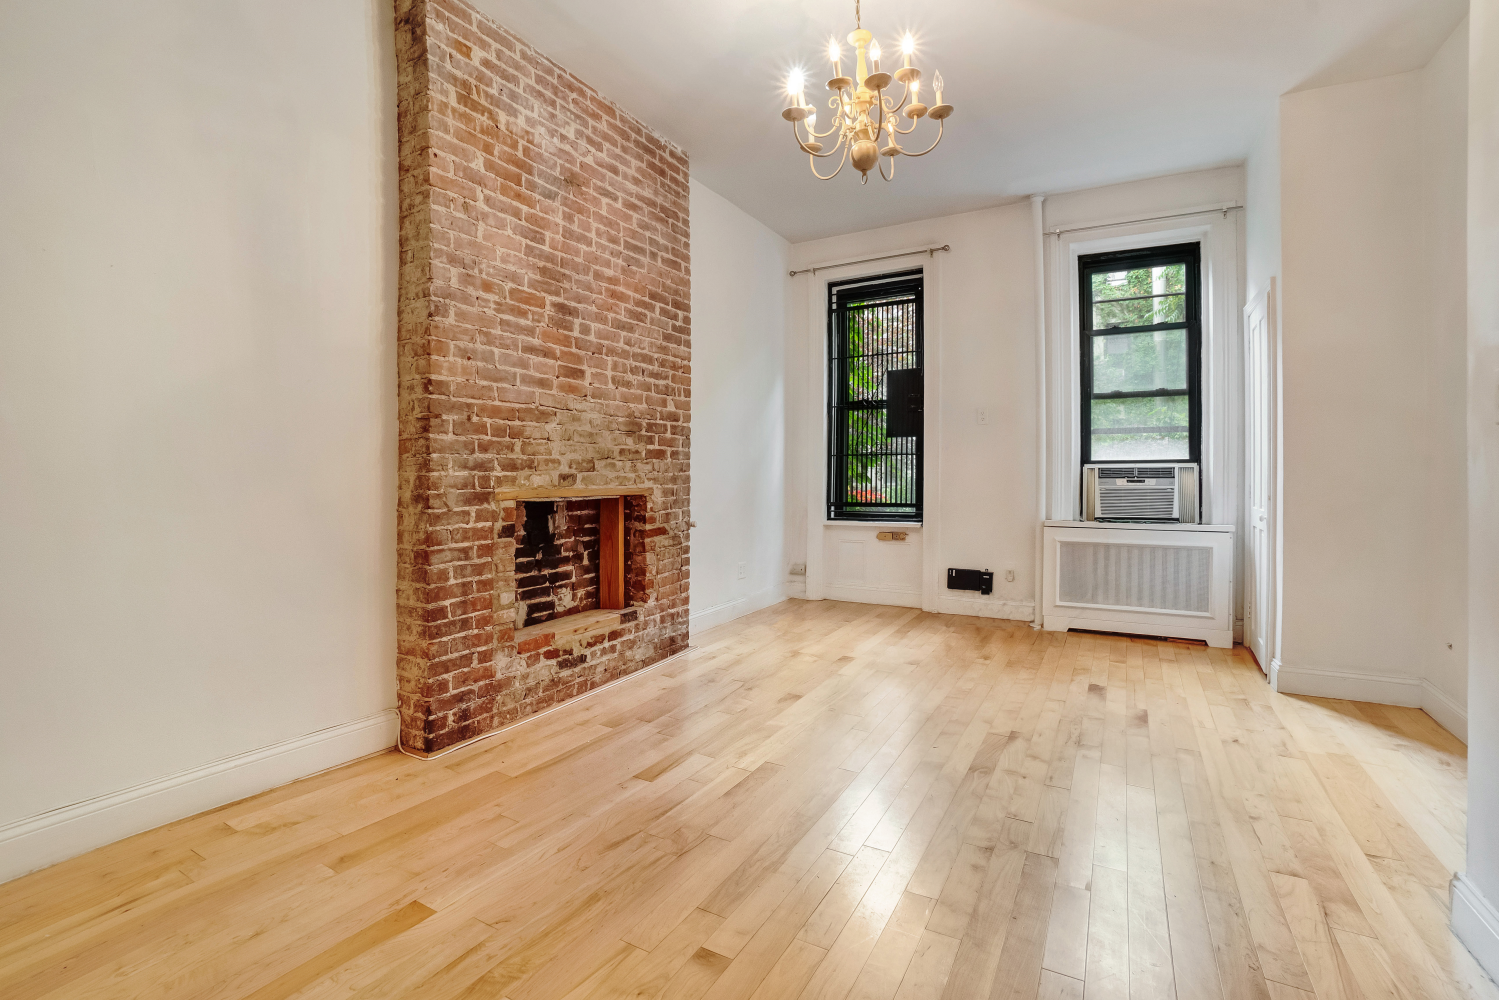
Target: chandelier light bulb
<point>834,52</point>
<point>794,83</point>
<point>937,85</point>
<point>874,53</point>
<point>907,46</point>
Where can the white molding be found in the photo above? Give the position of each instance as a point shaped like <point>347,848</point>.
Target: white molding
<point>1381,689</point>
<point>1349,685</point>
<point>58,834</point>
<point>1221,349</point>
<point>985,607</point>
<point>1476,923</point>
<point>1450,715</point>
<point>719,614</point>
<point>873,595</point>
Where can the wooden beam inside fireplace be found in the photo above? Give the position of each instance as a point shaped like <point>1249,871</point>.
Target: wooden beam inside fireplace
<point>611,553</point>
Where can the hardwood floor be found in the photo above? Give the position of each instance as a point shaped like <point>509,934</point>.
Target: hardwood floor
<point>825,801</point>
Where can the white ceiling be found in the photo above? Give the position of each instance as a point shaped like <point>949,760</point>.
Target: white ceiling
<point>1050,95</point>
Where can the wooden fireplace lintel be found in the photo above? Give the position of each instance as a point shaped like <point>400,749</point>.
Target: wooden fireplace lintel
<point>569,492</point>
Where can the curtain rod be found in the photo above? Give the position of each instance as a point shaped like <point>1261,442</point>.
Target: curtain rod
<point>1156,218</point>
<point>929,251</point>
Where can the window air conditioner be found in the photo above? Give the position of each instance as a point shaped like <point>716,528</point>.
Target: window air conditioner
<point>1157,492</point>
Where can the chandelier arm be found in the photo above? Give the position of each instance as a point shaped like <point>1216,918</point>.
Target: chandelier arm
<point>835,173</point>
<point>818,135</point>
<point>905,131</point>
<point>934,141</point>
<point>892,168</point>
<point>803,146</point>
<point>904,99</point>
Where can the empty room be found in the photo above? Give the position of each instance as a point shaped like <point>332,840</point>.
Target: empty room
<point>581,500</point>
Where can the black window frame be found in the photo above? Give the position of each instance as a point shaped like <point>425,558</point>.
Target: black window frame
<point>839,508</point>
<point>1091,264</point>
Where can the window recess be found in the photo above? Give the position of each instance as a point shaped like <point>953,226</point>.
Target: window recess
<point>875,398</point>
<point>1141,355</point>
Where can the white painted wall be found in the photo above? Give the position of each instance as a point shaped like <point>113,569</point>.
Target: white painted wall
<point>738,416</point>
<point>1475,892</point>
<point>1444,167</point>
<point>197,406</point>
<point>1373,345</point>
<point>1262,209</point>
<point>981,354</point>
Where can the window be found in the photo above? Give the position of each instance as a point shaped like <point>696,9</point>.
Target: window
<point>1141,355</point>
<point>875,398</point>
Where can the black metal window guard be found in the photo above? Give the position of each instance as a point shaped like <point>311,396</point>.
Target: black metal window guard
<point>875,398</point>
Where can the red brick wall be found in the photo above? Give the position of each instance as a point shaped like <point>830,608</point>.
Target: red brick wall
<point>544,342</point>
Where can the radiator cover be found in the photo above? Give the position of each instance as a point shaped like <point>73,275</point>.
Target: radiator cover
<point>1143,577</point>
<point>1167,580</point>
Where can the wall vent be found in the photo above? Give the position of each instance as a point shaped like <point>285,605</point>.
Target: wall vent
<point>1171,578</point>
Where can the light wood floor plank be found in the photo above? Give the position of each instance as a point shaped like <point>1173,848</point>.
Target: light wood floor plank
<point>820,801</point>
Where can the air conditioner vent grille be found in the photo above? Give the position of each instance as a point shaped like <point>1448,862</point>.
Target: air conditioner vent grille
<point>1136,501</point>
<point>1135,577</point>
<point>1137,472</point>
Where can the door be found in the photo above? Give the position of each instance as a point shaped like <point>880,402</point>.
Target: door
<point>1259,319</point>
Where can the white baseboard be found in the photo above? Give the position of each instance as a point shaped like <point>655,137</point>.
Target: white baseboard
<point>874,595</point>
<point>1382,689</point>
<point>1476,923</point>
<point>984,607</point>
<point>718,614</point>
<point>1349,685</point>
<point>1450,715</point>
<point>58,834</point>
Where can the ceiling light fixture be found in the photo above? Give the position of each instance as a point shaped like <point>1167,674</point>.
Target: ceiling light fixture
<point>861,111</point>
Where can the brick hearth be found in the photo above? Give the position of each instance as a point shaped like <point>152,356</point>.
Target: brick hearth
<point>545,350</point>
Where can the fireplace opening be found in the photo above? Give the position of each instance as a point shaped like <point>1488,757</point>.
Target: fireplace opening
<point>569,558</point>
<point>556,560</point>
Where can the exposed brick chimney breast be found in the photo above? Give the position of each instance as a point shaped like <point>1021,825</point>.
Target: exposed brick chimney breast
<point>545,349</point>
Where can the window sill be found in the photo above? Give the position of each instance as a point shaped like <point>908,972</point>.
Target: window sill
<point>905,525</point>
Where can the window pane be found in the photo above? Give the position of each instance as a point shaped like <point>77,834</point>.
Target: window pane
<point>1144,428</point>
<point>1140,312</point>
<point>877,469</point>
<point>1135,362</point>
<point>1170,279</point>
<point>880,338</point>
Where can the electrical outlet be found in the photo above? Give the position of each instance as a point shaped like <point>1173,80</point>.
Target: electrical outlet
<point>743,572</point>
<point>798,569</point>
<point>1010,575</point>
<point>981,415</point>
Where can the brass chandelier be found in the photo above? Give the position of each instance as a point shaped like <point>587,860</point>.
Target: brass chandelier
<point>862,112</point>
